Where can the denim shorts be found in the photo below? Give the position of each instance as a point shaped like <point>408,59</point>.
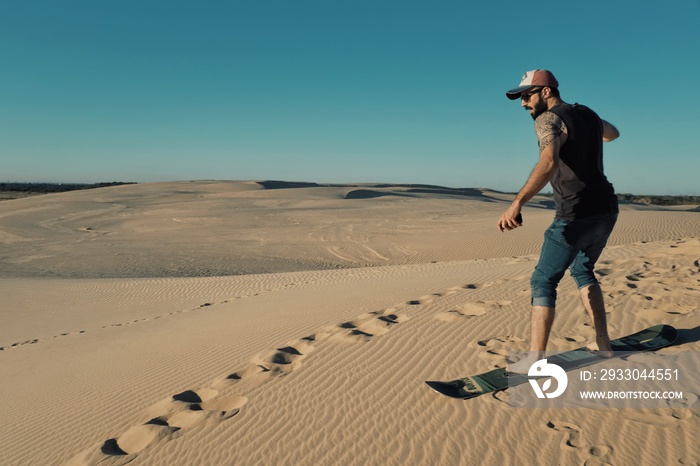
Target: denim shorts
<point>573,244</point>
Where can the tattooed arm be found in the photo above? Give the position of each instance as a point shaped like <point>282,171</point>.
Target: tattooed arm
<point>551,134</point>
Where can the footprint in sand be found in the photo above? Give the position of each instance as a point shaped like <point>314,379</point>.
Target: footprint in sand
<point>427,299</point>
<point>278,363</point>
<point>599,455</point>
<point>499,349</point>
<point>430,298</point>
<point>363,331</point>
<point>572,437</point>
<point>567,341</point>
<point>662,312</point>
<point>182,411</point>
<point>215,410</point>
<point>495,341</point>
<point>476,309</point>
<point>587,328</point>
<point>136,439</point>
<point>283,360</point>
<point>253,371</point>
<point>21,343</point>
<point>192,408</point>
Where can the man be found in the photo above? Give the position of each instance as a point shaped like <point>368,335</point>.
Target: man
<point>571,159</point>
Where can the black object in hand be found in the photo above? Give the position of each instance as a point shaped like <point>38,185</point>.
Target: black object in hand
<point>519,219</point>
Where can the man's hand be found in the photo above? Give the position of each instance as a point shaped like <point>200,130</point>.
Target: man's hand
<point>511,219</point>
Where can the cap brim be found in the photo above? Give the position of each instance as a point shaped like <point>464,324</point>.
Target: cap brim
<point>517,92</point>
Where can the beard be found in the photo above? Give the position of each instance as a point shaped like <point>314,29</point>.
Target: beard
<point>537,109</point>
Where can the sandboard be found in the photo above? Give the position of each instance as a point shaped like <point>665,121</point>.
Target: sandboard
<point>652,338</point>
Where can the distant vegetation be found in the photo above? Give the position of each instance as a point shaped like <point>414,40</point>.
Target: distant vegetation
<point>14,190</point>
<point>660,200</point>
<point>664,200</point>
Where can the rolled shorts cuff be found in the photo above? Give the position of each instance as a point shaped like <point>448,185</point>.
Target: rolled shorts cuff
<point>546,301</point>
<point>582,283</point>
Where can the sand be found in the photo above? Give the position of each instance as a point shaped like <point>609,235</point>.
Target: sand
<point>221,323</point>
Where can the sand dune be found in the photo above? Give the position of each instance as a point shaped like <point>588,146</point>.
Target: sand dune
<point>242,323</point>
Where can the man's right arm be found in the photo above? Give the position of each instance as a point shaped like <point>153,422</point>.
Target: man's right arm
<point>610,133</point>
<point>551,136</point>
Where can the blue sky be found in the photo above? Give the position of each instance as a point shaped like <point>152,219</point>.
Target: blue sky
<point>333,91</point>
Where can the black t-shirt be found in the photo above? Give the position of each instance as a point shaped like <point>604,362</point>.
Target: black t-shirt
<point>580,187</point>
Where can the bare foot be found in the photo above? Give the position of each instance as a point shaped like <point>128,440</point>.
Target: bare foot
<point>604,348</point>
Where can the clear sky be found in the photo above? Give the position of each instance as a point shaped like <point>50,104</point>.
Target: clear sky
<point>340,91</point>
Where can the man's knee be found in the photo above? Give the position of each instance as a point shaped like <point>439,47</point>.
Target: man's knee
<point>543,289</point>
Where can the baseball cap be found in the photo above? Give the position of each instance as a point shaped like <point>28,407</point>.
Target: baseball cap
<point>534,78</point>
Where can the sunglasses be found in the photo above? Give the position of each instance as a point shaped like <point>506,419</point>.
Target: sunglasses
<point>526,97</point>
